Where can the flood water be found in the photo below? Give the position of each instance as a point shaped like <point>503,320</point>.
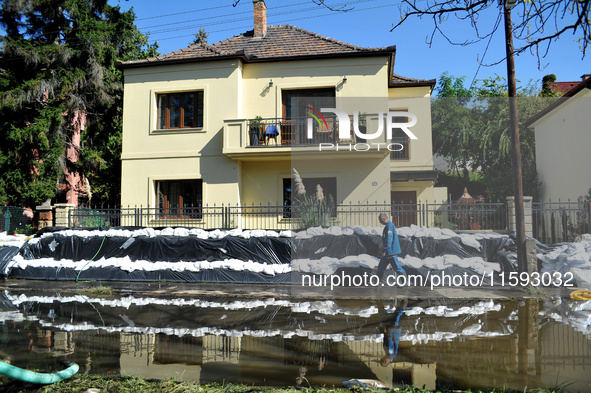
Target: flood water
<point>461,344</point>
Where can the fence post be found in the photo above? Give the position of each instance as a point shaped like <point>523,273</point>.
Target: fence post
<point>7,216</point>
<point>527,212</point>
<point>225,217</point>
<point>62,215</point>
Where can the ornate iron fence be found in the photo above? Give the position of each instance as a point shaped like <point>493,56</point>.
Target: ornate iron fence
<point>561,221</point>
<point>15,219</point>
<point>478,216</point>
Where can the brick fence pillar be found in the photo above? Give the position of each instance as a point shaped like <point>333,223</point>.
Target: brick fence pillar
<point>527,215</point>
<point>61,213</point>
<point>45,216</point>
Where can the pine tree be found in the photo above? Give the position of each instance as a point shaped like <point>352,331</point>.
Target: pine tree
<point>61,98</point>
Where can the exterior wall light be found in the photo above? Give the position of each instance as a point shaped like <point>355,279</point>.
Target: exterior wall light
<point>270,82</point>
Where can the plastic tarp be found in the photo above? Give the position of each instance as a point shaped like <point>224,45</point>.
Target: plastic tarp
<point>267,250</point>
<point>6,255</point>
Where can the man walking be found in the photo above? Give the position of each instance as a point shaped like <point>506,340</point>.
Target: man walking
<point>391,247</point>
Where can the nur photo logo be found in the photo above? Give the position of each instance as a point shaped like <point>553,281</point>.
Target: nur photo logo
<point>345,133</point>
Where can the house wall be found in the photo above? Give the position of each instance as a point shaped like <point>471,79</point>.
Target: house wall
<point>233,90</point>
<point>149,154</point>
<point>563,143</point>
<point>416,100</point>
<point>366,182</point>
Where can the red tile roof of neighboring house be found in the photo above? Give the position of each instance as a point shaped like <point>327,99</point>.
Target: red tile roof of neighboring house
<point>280,42</point>
<point>579,86</point>
<point>563,87</point>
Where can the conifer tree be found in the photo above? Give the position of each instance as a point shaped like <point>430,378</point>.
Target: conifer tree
<point>58,83</point>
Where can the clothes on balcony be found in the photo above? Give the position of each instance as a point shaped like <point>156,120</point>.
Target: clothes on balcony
<point>271,132</point>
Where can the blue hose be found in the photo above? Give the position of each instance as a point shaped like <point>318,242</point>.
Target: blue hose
<point>40,378</point>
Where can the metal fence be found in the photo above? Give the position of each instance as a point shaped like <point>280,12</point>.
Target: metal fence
<point>561,221</point>
<point>478,216</point>
<point>15,219</point>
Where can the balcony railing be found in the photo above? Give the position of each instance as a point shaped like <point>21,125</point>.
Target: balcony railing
<point>292,131</point>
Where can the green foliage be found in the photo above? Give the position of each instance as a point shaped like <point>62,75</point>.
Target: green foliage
<point>89,218</point>
<point>311,209</point>
<point>471,130</point>
<point>200,37</point>
<point>57,61</point>
<point>546,89</point>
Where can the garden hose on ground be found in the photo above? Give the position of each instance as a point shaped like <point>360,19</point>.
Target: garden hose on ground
<point>92,259</point>
<point>580,295</point>
<point>40,378</point>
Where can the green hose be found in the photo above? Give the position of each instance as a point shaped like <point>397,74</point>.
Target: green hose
<point>40,378</point>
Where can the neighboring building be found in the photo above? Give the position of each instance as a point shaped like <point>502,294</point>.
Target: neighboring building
<point>563,143</point>
<point>191,135</point>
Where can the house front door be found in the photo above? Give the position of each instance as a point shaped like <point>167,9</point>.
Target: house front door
<point>404,208</point>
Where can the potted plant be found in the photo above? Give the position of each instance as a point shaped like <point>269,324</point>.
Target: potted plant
<point>255,130</point>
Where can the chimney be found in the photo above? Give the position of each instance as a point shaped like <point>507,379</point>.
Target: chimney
<point>260,18</point>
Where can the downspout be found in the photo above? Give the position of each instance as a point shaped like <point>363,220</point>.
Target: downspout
<point>38,378</point>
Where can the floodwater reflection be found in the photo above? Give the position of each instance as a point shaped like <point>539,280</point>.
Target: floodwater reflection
<point>433,343</point>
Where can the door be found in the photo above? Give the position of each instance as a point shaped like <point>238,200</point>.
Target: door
<point>404,208</point>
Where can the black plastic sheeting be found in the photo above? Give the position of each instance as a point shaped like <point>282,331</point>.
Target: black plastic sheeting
<point>6,255</point>
<point>161,248</point>
<point>268,250</point>
<point>493,249</point>
<point>116,274</point>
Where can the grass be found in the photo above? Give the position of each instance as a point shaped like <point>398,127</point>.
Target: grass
<point>101,291</point>
<point>88,383</point>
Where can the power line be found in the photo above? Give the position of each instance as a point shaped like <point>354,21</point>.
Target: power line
<point>331,13</point>
<point>209,17</point>
<point>249,17</point>
<point>184,12</point>
<point>486,49</point>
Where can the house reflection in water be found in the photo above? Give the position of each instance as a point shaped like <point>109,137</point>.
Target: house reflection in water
<point>455,344</point>
<point>276,360</point>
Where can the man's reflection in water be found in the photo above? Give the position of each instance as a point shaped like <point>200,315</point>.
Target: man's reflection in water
<point>391,330</point>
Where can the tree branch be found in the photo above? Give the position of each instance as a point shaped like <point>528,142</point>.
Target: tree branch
<point>540,23</point>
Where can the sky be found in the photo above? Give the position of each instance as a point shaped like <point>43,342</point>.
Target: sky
<point>367,24</point>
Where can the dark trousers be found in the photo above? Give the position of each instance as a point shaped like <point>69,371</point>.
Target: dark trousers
<point>389,260</point>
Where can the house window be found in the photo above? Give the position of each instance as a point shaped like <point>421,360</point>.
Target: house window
<point>298,105</point>
<point>180,110</point>
<point>401,140</point>
<point>179,198</point>
<point>286,198</point>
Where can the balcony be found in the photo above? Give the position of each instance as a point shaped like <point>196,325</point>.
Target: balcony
<point>279,138</point>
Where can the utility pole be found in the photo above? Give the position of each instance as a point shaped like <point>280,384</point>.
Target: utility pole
<point>515,144</point>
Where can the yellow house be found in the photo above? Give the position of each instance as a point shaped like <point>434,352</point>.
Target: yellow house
<point>228,123</point>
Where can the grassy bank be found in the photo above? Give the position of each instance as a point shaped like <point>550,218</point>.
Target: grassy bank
<point>97,384</point>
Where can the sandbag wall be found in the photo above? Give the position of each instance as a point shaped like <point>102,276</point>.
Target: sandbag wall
<point>234,256</point>
<point>78,256</point>
<point>357,251</point>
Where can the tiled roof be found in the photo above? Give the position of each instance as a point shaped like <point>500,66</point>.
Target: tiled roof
<point>563,87</point>
<point>398,80</point>
<point>578,87</point>
<point>287,41</point>
<point>192,52</point>
<point>283,41</point>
